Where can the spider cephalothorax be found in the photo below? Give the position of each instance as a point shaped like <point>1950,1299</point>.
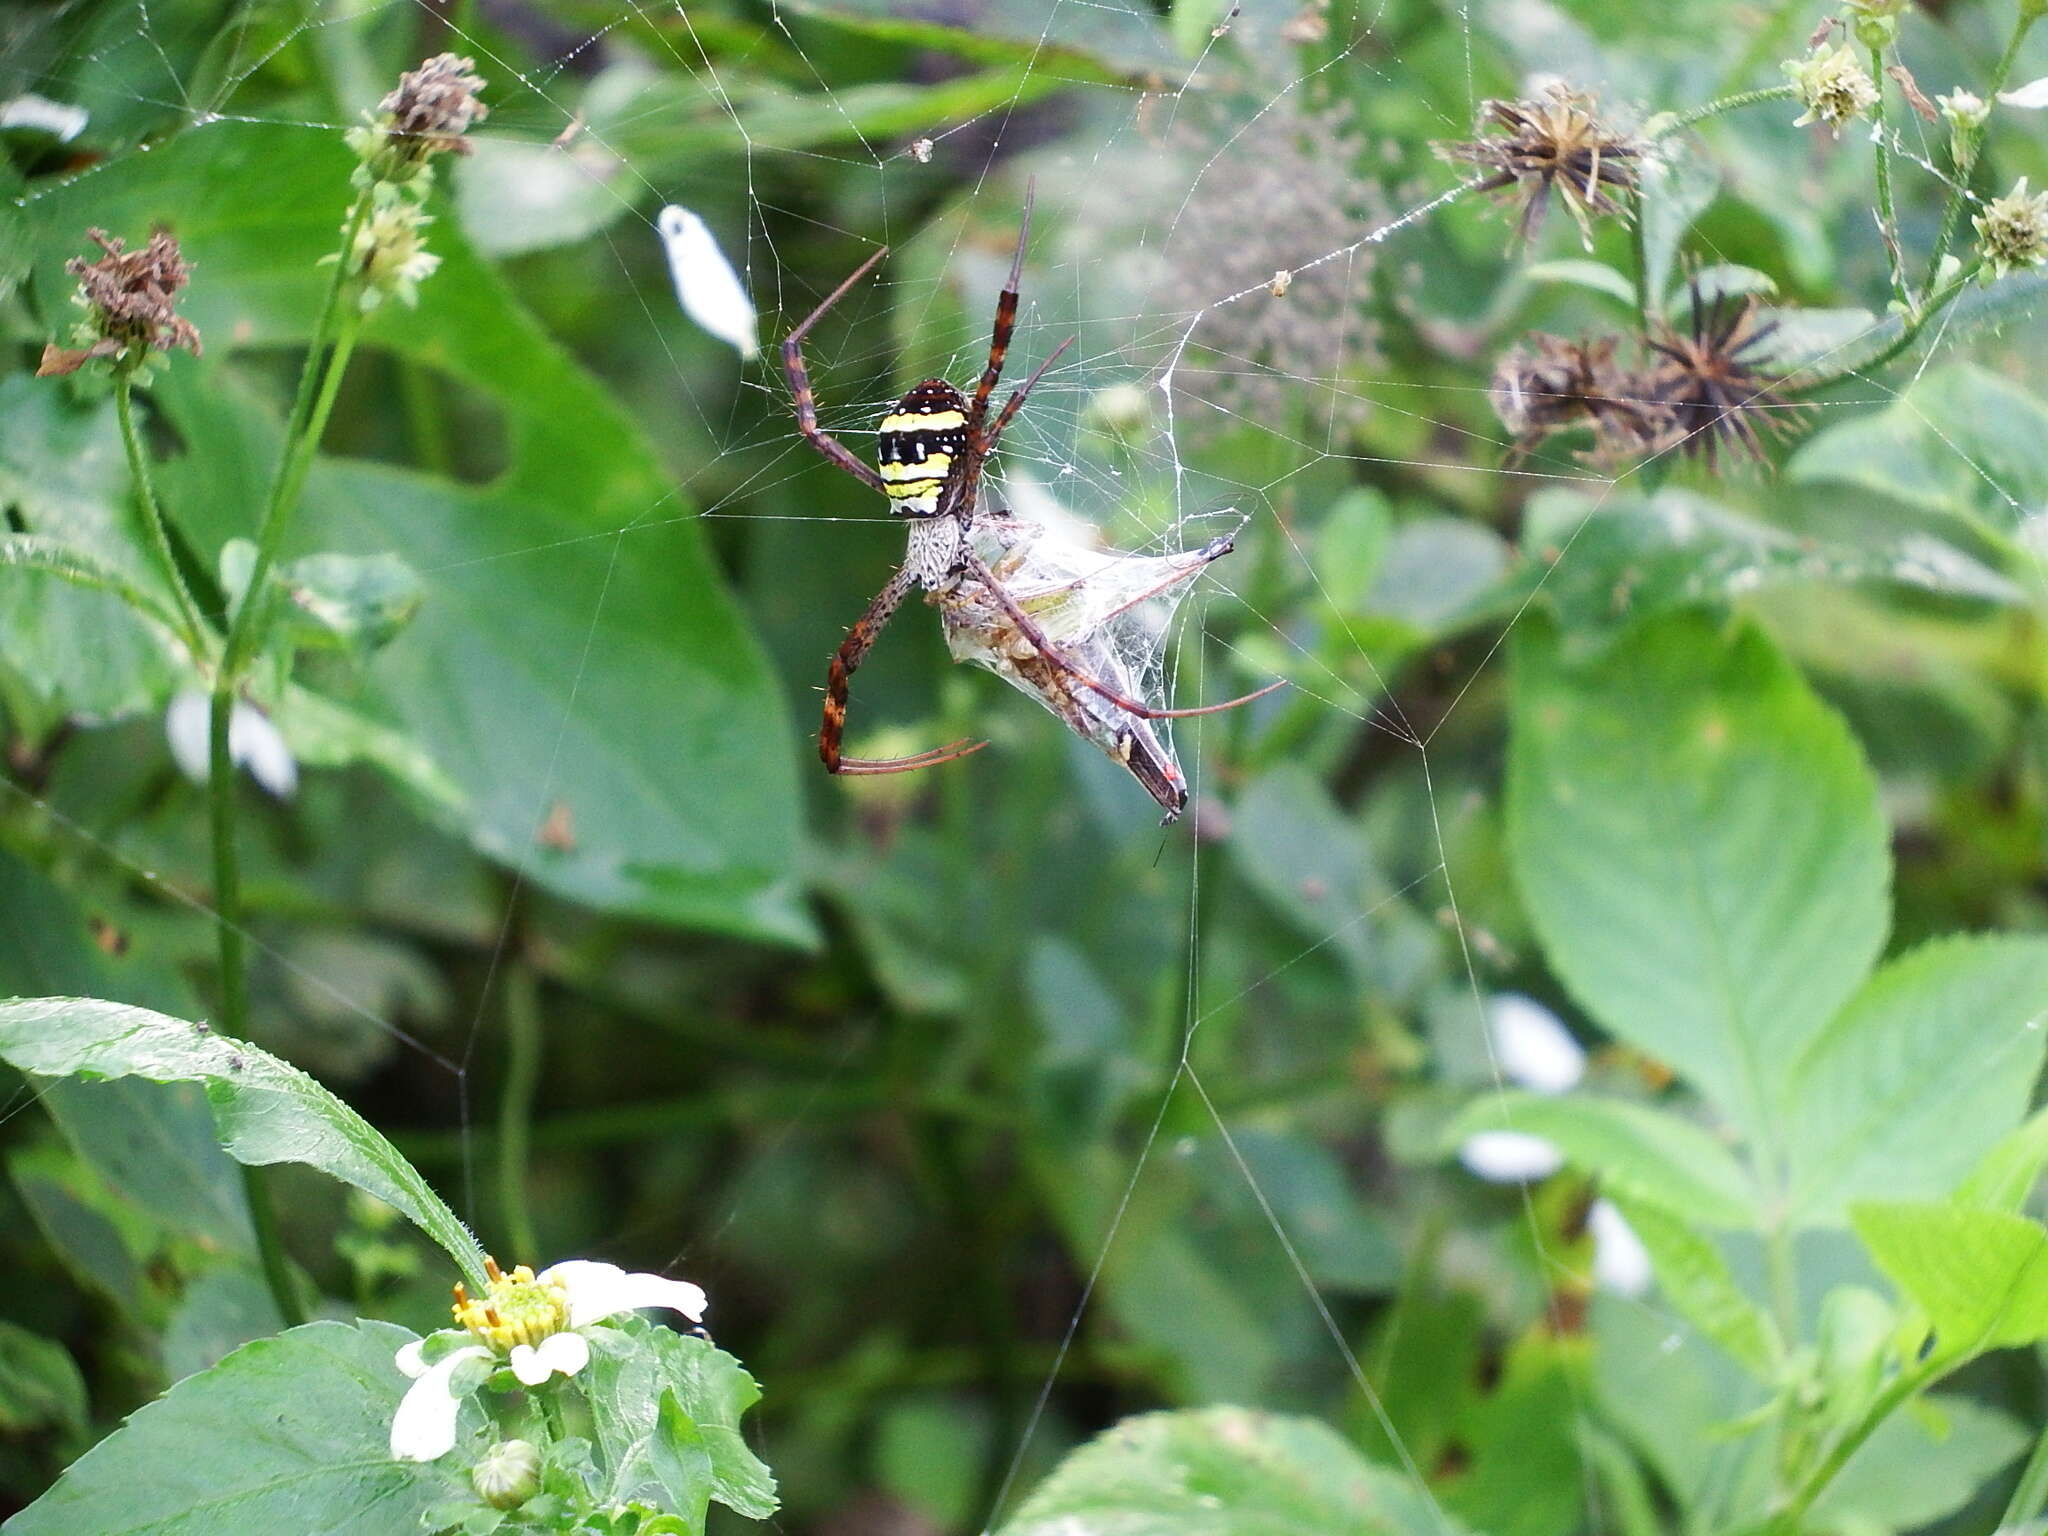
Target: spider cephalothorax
<point>932,449</point>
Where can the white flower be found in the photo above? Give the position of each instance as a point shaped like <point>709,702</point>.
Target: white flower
<point>253,742</point>
<point>2033,95</point>
<point>710,292</point>
<point>60,120</point>
<point>534,1324</point>
<point>1620,1261</point>
<point>1510,1157</point>
<point>1533,1049</point>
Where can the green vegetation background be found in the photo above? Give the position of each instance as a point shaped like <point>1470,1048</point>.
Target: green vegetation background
<point>883,1064</point>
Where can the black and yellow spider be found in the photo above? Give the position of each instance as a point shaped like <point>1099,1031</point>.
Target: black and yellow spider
<point>933,448</point>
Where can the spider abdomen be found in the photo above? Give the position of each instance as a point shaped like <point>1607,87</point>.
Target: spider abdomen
<point>917,444</point>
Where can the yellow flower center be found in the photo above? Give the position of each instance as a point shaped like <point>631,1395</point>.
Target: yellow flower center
<point>514,1309</point>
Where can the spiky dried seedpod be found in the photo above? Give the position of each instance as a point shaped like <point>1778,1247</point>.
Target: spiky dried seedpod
<point>1548,384</point>
<point>1717,383</point>
<point>130,300</point>
<point>1556,142</point>
<point>427,114</point>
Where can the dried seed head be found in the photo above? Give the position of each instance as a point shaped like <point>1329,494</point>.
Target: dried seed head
<point>1833,86</point>
<point>1553,142</point>
<point>1548,384</point>
<point>129,298</point>
<point>1716,382</point>
<point>427,115</point>
<point>2012,231</point>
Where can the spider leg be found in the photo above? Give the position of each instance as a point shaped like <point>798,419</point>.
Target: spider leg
<point>1015,403</point>
<point>852,652</point>
<point>1028,627</point>
<point>1006,318</point>
<point>800,386</point>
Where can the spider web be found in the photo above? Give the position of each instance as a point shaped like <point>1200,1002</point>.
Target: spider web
<point>1212,231</point>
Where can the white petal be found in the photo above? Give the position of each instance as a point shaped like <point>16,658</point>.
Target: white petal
<point>596,1291</point>
<point>565,1353</point>
<point>187,724</point>
<point>254,743</point>
<point>528,1366</point>
<point>62,121</point>
<point>2034,94</point>
<point>1620,1261</point>
<point>423,1429</point>
<point>411,1359</point>
<point>1510,1157</point>
<point>706,285</point>
<point>1534,1050</point>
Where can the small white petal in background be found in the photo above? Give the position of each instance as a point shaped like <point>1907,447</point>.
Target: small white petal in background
<point>1620,1261</point>
<point>563,1353</point>
<point>598,1291</point>
<point>253,742</point>
<point>710,292</point>
<point>186,726</point>
<point>1510,1157</point>
<point>60,120</point>
<point>2034,95</point>
<point>1534,1050</point>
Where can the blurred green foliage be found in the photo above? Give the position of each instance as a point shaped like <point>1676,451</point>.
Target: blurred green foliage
<point>988,1113</point>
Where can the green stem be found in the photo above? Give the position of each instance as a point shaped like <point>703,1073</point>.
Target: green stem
<point>1887,217</point>
<point>1972,146</point>
<point>302,444</point>
<point>1903,1386</point>
<point>515,1107</point>
<point>318,380</point>
<point>153,520</point>
<point>2031,1493</point>
<point>1908,334</point>
<point>1784,1280</point>
<point>1734,103</point>
<point>1647,305</point>
<point>277,1269</point>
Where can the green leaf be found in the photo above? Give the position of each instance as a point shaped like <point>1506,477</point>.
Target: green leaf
<point>576,646</point>
<point>40,1387</point>
<point>1299,850</point>
<point>286,1434</point>
<point>1923,1072</point>
<point>1225,1472</point>
<point>1981,1276</point>
<point>1633,1149</point>
<point>268,1111</point>
<point>1676,189</point>
<point>358,602</point>
<point>1582,272</point>
<point>634,1370</point>
<point>1631,557</point>
<point>1700,847</point>
<point>1920,1466</point>
<point>1695,1279</point>
<point>1961,441</point>
<point>2006,1175</point>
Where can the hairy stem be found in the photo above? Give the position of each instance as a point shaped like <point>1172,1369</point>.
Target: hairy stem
<point>194,632</point>
<point>1887,217</point>
<point>1734,103</point>
<point>1972,146</point>
<point>515,1105</point>
<point>1908,334</point>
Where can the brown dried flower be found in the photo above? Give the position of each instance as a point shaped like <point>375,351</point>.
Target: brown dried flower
<point>428,114</point>
<point>1548,384</point>
<point>130,299</point>
<point>1552,142</point>
<point>1716,384</point>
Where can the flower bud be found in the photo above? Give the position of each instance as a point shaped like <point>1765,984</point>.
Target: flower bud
<point>1833,87</point>
<point>391,256</point>
<point>1965,112</point>
<point>429,112</point>
<point>507,1475</point>
<point>2012,231</point>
